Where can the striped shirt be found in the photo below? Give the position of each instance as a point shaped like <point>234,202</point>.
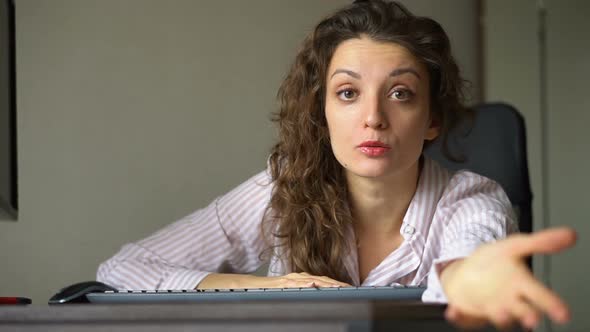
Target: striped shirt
<point>450,215</point>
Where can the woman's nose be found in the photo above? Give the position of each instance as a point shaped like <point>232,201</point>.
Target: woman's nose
<point>374,114</point>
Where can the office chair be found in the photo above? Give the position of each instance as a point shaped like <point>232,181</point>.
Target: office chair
<point>493,144</point>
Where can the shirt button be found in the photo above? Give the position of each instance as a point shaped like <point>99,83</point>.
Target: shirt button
<point>409,230</point>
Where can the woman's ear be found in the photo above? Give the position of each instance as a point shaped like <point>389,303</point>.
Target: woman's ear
<point>433,129</point>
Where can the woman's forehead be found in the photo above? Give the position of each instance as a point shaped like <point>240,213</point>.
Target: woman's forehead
<point>365,55</point>
<point>365,58</point>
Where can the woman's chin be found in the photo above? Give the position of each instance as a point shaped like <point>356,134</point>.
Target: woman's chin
<point>370,167</point>
<point>368,172</point>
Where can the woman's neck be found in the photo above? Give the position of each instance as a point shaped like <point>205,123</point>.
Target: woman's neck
<point>380,205</point>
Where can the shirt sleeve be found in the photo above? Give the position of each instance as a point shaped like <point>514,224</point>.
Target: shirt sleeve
<point>225,236</point>
<point>475,210</point>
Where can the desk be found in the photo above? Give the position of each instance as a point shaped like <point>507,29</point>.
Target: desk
<point>256,316</point>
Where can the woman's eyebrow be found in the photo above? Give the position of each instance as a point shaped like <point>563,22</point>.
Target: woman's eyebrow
<point>401,71</point>
<point>346,71</point>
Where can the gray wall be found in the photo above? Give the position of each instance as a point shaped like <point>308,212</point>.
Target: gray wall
<point>513,75</point>
<point>131,114</point>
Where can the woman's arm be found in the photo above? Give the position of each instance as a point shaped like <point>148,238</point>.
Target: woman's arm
<point>224,236</point>
<point>191,253</point>
<point>474,271</point>
<point>495,285</point>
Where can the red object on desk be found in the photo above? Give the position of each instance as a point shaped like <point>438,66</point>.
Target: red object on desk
<point>14,300</point>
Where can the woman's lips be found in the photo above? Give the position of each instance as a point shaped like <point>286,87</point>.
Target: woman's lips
<point>374,148</point>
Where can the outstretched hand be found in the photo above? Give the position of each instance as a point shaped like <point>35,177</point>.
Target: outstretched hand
<point>495,285</point>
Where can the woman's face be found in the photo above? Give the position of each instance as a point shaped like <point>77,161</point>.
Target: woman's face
<point>377,108</point>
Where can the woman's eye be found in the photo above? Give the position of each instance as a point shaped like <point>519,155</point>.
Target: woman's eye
<point>401,94</point>
<point>347,94</point>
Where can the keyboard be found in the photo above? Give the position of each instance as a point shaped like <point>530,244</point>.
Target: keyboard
<point>395,293</point>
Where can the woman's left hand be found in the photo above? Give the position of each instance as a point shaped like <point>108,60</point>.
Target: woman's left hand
<point>495,285</point>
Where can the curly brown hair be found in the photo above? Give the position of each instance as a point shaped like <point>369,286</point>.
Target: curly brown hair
<point>309,209</point>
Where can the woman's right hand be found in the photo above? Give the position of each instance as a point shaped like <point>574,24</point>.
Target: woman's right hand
<point>291,280</point>
<point>296,280</point>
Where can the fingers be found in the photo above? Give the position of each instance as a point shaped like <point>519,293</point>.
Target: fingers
<point>296,280</point>
<point>306,283</point>
<point>464,321</point>
<point>325,280</point>
<point>542,242</point>
<point>332,282</point>
<point>525,304</point>
<point>501,317</point>
<point>300,283</point>
<point>524,312</point>
<point>546,300</point>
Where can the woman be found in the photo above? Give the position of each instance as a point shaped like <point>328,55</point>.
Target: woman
<point>348,198</point>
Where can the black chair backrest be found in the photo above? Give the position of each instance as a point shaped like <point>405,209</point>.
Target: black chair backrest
<point>493,145</point>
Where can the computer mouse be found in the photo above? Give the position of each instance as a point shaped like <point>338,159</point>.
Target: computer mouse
<point>76,293</point>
